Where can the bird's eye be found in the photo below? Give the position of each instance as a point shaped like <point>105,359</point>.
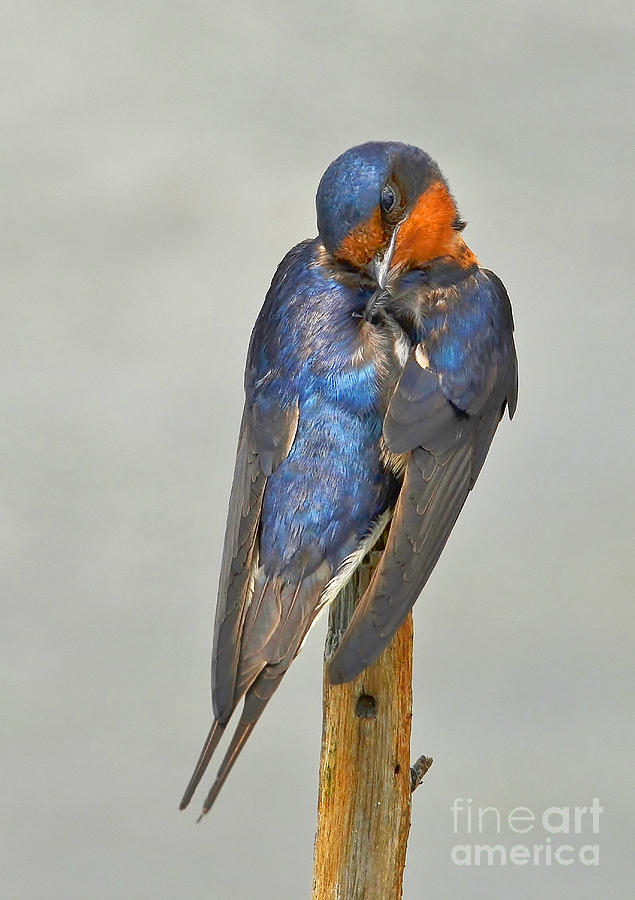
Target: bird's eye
<point>390,198</point>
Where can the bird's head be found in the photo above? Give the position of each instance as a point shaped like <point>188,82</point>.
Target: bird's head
<point>386,206</point>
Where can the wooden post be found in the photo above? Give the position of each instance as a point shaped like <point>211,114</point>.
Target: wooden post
<point>365,777</point>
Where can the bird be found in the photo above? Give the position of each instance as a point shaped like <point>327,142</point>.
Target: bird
<point>378,370</point>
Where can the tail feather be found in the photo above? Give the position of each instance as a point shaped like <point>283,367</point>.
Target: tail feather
<point>256,700</point>
<point>214,736</point>
<point>270,639</point>
<point>243,730</point>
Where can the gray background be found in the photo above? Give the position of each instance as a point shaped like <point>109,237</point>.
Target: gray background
<point>158,159</point>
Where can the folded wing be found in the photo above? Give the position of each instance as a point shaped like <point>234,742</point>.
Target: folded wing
<point>266,436</point>
<point>444,418</point>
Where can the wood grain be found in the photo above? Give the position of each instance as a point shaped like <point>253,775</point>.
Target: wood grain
<point>365,783</point>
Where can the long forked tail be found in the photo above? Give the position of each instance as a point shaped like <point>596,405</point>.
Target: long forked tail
<point>214,736</point>
<point>256,699</point>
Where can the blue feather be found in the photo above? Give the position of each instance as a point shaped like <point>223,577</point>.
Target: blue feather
<point>302,348</point>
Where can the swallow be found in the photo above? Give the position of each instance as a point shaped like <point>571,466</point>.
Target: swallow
<point>377,373</point>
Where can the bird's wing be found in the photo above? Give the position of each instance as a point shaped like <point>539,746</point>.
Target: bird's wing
<point>266,599</point>
<point>267,432</point>
<point>266,436</point>
<point>443,416</point>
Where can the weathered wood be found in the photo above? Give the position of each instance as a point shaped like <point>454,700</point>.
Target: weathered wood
<point>365,780</point>
<point>418,771</point>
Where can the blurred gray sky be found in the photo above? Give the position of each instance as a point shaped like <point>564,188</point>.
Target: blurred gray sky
<point>158,159</point>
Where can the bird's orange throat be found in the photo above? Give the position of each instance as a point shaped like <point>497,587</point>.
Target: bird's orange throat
<point>463,255</point>
<point>364,242</point>
<point>429,233</point>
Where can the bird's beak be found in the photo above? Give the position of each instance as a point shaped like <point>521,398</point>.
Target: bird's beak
<point>381,268</point>
<point>383,263</point>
